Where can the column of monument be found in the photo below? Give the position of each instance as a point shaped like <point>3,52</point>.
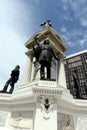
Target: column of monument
<point>27,71</point>
<point>61,74</point>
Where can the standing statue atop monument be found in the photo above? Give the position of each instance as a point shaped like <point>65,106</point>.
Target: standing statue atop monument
<point>13,79</point>
<point>44,54</point>
<point>46,23</point>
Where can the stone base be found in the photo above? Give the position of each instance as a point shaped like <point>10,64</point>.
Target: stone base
<point>27,108</point>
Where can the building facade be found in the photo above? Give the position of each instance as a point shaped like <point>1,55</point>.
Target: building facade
<point>77,62</point>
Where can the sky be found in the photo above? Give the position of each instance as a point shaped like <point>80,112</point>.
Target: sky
<point>20,19</point>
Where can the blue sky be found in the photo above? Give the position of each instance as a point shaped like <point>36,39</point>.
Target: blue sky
<point>20,19</point>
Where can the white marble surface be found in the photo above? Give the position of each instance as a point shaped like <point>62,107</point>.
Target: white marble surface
<point>26,108</point>
<point>81,123</point>
<point>3,117</point>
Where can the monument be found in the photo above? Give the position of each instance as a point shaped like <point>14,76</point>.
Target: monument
<point>42,100</point>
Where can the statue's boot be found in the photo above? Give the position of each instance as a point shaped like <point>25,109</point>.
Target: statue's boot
<point>6,86</point>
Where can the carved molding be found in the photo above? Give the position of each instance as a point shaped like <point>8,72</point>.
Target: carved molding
<point>68,122</point>
<point>47,92</point>
<point>47,103</point>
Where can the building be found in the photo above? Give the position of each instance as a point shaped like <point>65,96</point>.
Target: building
<point>77,62</point>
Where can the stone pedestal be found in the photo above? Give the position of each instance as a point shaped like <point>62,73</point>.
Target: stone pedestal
<point>27,109</point>
<point>45,117</point>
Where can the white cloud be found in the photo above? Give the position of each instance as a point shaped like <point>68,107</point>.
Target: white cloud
<point>68,39</point>
<point>11,53</point>
<point>82,42</point>
<point>83,22</point>
<point>76,38</point>
<point>83,17</point>
<point>65,5</point>
<point>63,29</point>
<point>13,17</point>
<point>79,9</point>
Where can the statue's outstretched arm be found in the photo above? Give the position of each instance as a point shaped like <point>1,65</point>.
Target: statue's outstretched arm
<point>37,41</point>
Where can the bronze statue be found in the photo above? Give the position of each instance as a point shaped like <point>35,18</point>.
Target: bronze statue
<point>47,104</point>
<point>46,23</point>
<point>44,55</point>
<point>13,79</point>
<point>83,92</point>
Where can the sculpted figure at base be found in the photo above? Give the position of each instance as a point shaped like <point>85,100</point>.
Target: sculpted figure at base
<point>13,79</point>
<point>46,104</point>
<point>44,54</point>
<point>76,84</point>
